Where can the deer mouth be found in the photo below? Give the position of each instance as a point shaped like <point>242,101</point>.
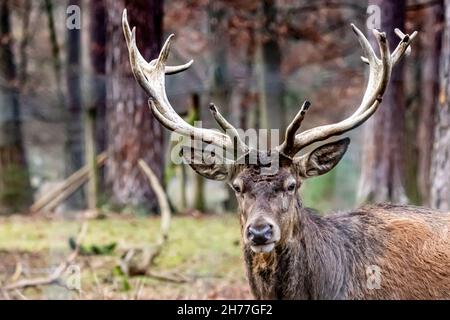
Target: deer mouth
<point>265,248</point>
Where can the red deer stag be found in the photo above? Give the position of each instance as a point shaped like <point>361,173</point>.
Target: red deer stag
<point>290,252</point>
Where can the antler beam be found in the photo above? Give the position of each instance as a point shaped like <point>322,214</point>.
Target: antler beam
<point>379,74</point>
<point>151,77</point>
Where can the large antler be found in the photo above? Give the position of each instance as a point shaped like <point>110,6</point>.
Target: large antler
<point>379,75</point>
<point>151,77</point>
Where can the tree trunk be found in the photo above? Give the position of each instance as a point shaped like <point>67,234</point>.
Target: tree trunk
<point>96,106</point>
<point>267,69</point>
<point>97,52</point>
<point>414,109</point>
<point>132,132</point>
<point>14,179</point>
<point>218,75</point>
<point>199,182</point>
<point>91,156</point>
<point>24,42</point>
<point>74,121</point>
<point>219,81</point>
<point>56,54</point>
<point>261,120</point>
<point>430,92</point>
<point>440,167</point>
<point>382,177</point>
<point>272,68</point>
<point>54,42</point>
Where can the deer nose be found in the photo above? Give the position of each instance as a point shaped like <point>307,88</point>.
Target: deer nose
<point>259,235</point>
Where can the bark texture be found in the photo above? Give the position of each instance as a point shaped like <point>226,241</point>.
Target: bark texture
<point>430,92</point>
<point>440,167</point>
<point>133,132</point>
<point>97,52</point>
<point>382,176</point>
<point>74,121</point>
<point>14,178</point>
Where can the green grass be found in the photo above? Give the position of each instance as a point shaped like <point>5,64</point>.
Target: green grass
<point>188,236</point>
<point>205,248</point>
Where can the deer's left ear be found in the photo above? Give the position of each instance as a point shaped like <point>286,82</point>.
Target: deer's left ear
<point>322,159</point>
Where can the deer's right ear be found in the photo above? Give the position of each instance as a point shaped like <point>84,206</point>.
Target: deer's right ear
<point>207,164</point>
<point>322,159</point>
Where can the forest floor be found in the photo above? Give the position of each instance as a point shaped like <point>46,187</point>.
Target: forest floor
<point>204,252</point>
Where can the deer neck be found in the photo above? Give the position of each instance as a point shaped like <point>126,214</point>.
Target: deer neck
<point>298,268</point>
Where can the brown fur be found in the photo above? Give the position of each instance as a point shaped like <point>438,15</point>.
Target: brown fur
<point>328,257</point>
<point>416,259</point>
<point>334,256</point>
<point>291,252</point>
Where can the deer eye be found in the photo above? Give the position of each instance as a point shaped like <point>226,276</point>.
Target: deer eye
<point>237,188</point>
<point>291,187</point>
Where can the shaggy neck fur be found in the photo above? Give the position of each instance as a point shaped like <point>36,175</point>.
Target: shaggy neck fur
<point>322,259</point>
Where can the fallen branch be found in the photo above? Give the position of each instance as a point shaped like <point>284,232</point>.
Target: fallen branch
<point>55,276</point>
<point>161,197</point>
<point>175,278</point>
<point>20,295</point>
<point>127,264</point>
<point>69,186</point>
<point>5,294</point>
<point>138,291</point>
<point>66,193</point>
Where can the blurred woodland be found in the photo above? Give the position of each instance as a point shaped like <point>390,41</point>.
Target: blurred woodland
<point>74,124</point>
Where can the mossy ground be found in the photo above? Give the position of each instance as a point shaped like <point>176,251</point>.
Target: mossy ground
<point>205,250</point>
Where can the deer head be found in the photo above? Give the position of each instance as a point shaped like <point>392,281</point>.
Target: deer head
<point>267,199</point>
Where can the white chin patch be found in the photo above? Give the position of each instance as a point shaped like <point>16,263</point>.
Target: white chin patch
<point>264,248</point>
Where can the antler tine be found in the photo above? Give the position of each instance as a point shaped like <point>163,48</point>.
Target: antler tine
<point>379,75</point>
<point>228,128</point>
<point>293,128</point>
<point>368,52</point>
<point>147,66</point>
<point>403,47</point>
<point>151,77</point>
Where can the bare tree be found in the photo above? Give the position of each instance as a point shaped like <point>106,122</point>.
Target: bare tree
<point>24,42</point>
<point>56,52</point>
<point>440,166</point>
<point>433,20</point>
<point>97,51</point>
<point>95,108</point>
<point>382,177</point>
<point>74,119</point>
<point>14,177</point>
<point>132,131</point>
<point>274,88</point>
